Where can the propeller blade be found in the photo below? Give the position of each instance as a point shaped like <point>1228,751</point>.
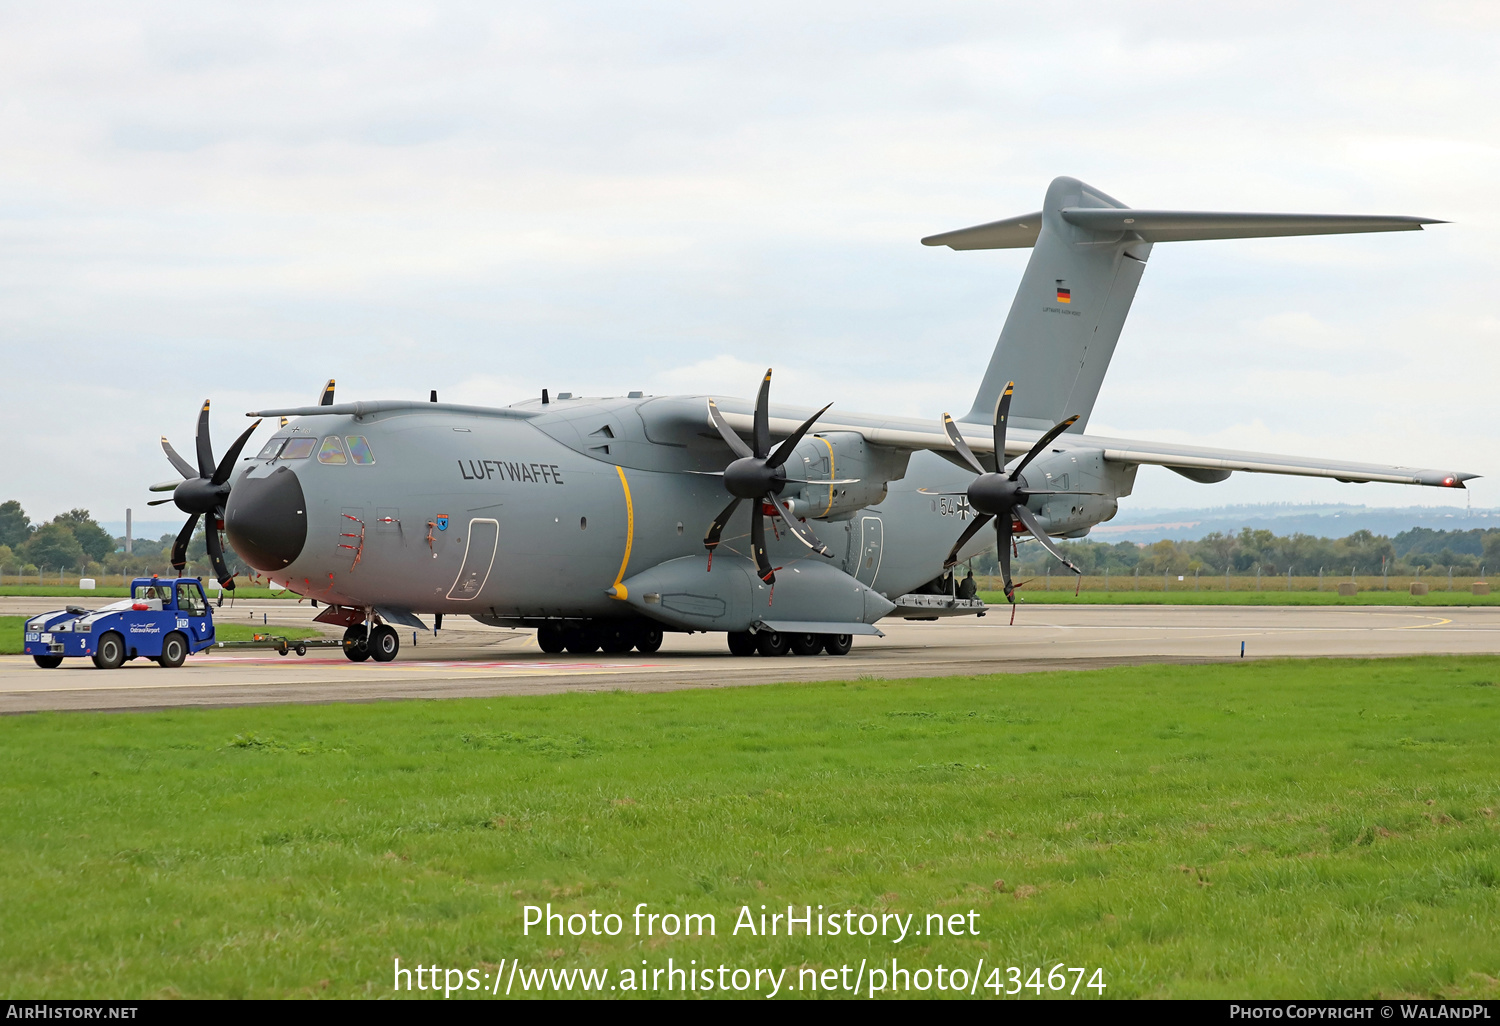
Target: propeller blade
<point>226,465</point>
<point>927,491</point>
<point>758,543</point>
<point>762,439</point>
<point>183,466</point>
<point>963,539</point>
<point>326,399</point>
<point>216,551</point>
<point>799,530</point>
<point>1029,519</point>
<point>784,450</point>
<point>158,502</point>
<point>1042,443</point>
<point>179,547</point>
<point>205,446</point>
<point>164,486</point>
<point>837,480</point>
<point>716,529</point>
<point>731,438</point>
<point>1002,531</point>
<point>1002,417</point>
<point>963,447</point>
<point>1043,491</point>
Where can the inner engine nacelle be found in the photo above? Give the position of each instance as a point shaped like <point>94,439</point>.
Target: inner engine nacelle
<point>835,455</point>
<point>1076,470</point>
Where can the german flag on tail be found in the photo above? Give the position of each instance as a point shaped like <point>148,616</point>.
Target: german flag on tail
<point>1064,295</point>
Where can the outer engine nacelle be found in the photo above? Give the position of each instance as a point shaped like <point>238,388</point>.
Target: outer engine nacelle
<point>1079,470</point>
<point>836,455</point>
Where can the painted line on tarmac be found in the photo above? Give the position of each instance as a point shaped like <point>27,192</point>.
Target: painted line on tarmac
<point>319,682</point>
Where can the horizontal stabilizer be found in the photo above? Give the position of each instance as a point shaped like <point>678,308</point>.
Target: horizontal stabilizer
<point>1012,233</point>
<point>1172,226</point>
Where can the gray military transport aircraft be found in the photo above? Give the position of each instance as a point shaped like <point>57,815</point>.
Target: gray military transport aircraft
<point>603,522</point>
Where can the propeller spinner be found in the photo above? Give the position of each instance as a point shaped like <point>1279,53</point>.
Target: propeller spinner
<point>760,474</point>
<point>1001,496</point>
<point>203,492</point>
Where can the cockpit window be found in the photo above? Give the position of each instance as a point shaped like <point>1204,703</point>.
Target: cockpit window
<point>299,448</point>
<point>272,448</point>
<point>332,451</point>
<point>359,450</point>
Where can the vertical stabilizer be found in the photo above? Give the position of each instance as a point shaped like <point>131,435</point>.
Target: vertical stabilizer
<point>1066,318</point>
<point>1089,252</point>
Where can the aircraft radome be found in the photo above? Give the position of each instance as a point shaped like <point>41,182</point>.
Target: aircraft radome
<point>604,522</point>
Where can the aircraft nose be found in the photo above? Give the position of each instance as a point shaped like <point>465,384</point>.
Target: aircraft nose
<point>266,519</point>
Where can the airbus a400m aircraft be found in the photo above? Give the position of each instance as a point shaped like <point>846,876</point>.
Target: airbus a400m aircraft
<point>604,522</point>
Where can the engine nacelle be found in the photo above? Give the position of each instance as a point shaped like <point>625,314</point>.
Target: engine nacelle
<point>835,455</point>
<point>1077,470</point>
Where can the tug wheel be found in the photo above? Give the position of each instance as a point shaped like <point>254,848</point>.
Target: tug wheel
<point>111,651</point>
<point>173,651</point>
<point>48,662</point>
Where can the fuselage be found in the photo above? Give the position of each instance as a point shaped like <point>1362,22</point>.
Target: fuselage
<point>536,515</point>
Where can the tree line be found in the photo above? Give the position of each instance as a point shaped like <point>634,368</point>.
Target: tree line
<point>74,541</point>
<point>1410,552</point>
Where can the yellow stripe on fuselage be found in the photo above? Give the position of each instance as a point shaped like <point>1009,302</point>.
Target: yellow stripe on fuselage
<point>619,590</point>
<point>831,475</point>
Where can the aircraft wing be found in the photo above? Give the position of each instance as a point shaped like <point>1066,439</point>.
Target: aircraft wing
<point>911,434</point>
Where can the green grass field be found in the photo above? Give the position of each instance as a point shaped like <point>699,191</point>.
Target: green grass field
<point>1292,829</point>
<point>1060,596</point>
<point>11,643</point>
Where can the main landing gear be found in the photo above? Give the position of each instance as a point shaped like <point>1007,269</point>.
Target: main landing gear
<point>775,643</point>
<point>380,644</point>
<point>585,637</point>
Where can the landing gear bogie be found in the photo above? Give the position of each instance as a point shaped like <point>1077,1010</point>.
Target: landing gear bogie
<point>551,639</point>
<point>837,644</point>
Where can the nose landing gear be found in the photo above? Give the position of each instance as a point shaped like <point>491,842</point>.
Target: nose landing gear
<point>380,644</point>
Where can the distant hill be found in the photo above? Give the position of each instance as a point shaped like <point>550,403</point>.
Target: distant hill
<point>1318,520</point>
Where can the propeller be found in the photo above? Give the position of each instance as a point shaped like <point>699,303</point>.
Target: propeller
<point>1001,496</point>
<point>202,491</point>
<point>759,474</point>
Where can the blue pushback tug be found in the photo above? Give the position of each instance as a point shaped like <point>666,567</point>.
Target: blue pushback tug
<point>163,619</point>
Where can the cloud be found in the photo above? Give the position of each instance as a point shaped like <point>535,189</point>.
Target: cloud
<point>210,199</point>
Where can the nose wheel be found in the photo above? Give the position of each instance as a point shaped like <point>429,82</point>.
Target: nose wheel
<point>380,644</point>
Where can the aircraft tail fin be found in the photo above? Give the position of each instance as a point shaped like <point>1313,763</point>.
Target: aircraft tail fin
<point>1088,253</point>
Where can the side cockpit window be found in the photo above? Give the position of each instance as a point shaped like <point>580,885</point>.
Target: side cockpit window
<point>332,451</point>
<point>359,450</point>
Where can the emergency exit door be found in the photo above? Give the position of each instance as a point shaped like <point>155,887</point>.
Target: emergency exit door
<point>479,557</point>
<point>871,539</point>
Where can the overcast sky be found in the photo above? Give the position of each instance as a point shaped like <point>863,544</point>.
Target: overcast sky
<point>240,201</point>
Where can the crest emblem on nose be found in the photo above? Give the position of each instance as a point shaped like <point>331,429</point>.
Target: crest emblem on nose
<point>442,521</point>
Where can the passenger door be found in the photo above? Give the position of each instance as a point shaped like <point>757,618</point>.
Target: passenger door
<point>871,541</point>
<point>479,557</point>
